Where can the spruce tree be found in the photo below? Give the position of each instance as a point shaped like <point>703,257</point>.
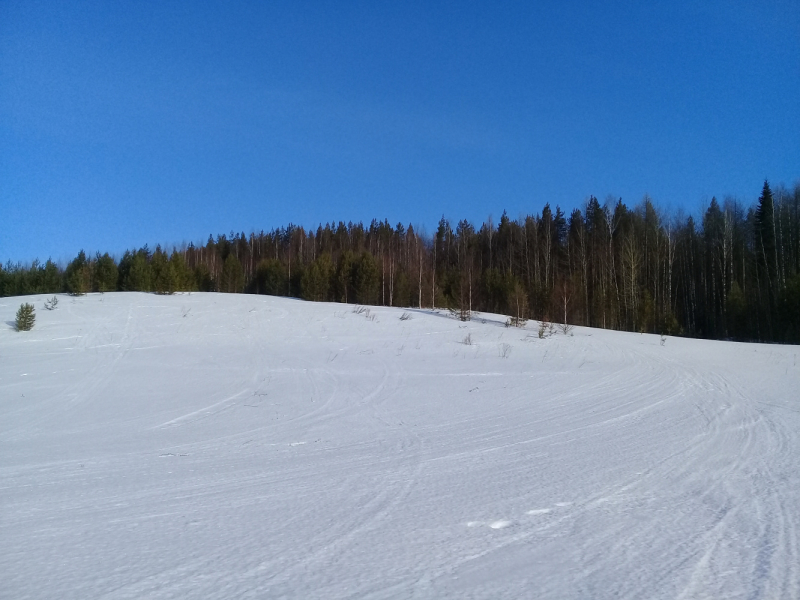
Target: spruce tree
<point>765,232</point>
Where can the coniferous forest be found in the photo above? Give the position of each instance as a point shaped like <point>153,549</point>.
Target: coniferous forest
<point>735,274</point>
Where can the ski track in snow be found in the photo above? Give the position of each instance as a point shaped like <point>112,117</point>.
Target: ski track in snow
<point>217,446</point>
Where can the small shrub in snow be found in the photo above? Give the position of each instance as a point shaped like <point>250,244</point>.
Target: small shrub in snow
<point>663,339</point>
<point>51,304</point>
<point>462,314</point>
<point>516,322</point>
<point>467,341</point>
<point>26,316</point>
<point>546,329</point>
<point>505,350</point>
<point>405,316</point>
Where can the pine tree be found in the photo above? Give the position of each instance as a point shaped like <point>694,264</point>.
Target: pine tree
<point>105,273</point>
<point>271,278</point>
<point>232,279</point>
<point>26,316</point>
<point>316,279</point>
<point>184,280</point>
<point>52,281</point>
<point>164,280</point>
<point>79,275</point>
<point>343,277</point>
<point>365,279</point>
<point>136,273</point>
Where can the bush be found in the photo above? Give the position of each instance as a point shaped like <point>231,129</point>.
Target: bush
<point>546,329</point>
<point>26,316</point>
<point>516,322</point>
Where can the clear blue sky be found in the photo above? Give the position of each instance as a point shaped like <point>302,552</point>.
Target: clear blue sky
<point>125,123</point>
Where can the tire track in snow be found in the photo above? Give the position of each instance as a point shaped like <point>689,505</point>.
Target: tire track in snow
<point>707,463</point>
<point>102,371</point>
<point>200,413</point>
<point>388,487</point>
<point>710,462</point>
<point>639,398</point>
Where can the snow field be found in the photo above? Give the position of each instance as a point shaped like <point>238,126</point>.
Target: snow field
<point>218,446</point>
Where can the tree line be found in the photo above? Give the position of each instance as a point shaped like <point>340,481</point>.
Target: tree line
<point>733,275</point>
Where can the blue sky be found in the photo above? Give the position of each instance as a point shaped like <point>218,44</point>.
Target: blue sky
<point>125,123</point>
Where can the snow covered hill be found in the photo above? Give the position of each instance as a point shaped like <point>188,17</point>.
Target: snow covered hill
<point>236,446</point>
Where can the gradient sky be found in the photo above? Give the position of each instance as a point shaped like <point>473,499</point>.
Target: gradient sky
<point>125,123</point>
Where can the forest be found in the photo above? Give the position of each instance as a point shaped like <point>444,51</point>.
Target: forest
<point>733,275</point>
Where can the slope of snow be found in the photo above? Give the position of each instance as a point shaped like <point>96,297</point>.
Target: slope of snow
<point>235,446</point>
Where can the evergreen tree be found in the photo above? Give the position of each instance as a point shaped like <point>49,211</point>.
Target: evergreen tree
<point>52,281</point>
<point>271,278</point>
<point>765,233</point>
<point>202,279</point>
<point>344,276</point>
<point>232,278</point>
<point>79,275</point>
<point>137,273</point>
<point>183,277</point>
<point>365,279</point>
<point>26,316</point>
<point>316,279</point>
<point>164,279</point>
<point>105,273</point>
